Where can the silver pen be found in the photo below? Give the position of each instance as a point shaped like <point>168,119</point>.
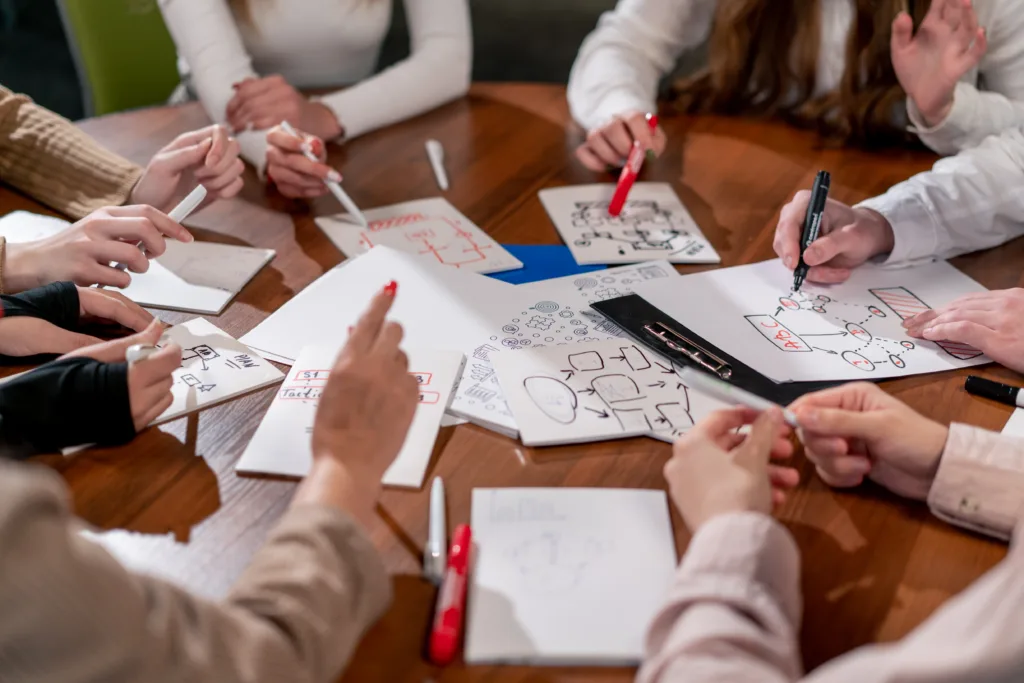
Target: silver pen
<point>179,213</point>
<point>334,187</point>
<point>435,555</point>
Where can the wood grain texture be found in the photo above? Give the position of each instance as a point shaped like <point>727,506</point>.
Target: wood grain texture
<point>874,566</point>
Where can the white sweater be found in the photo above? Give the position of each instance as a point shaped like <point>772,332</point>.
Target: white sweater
<point>325,44</point>
<point>622,62</point>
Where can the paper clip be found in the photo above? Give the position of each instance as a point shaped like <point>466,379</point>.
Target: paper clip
<point>687,348</point>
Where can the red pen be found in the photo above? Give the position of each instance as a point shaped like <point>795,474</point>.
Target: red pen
<point>630,171</point>
<point>451,603</point>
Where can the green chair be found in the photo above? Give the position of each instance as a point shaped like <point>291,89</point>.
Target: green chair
<point>124,55</point>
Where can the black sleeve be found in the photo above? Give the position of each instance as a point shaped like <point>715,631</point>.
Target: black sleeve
<point>56,303</point>
<point>65,403</point>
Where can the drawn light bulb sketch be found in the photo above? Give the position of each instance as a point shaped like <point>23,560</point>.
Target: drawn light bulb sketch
<point>551,563</point>
<point>850,336</point>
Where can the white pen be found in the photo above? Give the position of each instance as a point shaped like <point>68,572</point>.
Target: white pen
<point>179,213</point>
<point>333,186</point>
<point>716,388</point>
<point>435,152</point>
<point>435,555</point>
<point>139,352</point>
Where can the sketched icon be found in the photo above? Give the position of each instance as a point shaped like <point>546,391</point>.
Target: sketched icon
<point>546,307</point>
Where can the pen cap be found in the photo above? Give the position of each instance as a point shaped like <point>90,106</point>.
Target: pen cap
<point>986,388</point>
<point>458,560</point>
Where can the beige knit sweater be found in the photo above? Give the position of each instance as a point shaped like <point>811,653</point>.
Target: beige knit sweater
<point>46,157</point>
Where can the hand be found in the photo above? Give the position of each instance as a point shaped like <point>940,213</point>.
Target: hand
<point>857,430</point>
<point>208,156</point>
<point>929,63</point>
<point>848,238</point>
<point>715,471</point>
<point>84,252</point>
<point>291,171</point>
<point>261,103</point>
<point>28,336</point>
<point>992,322</point>
<point>367,406</point>
<point>149,380</point>
<point>608,146</point>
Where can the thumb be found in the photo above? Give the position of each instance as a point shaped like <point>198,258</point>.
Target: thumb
<point>114,351</point>
<point>838,422</point>
<point>824,249</point>
<point>902,32</point>
<point>180,160</point>
<point>755,451</point>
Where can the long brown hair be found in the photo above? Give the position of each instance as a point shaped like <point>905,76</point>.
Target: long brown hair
<point>763,57</point>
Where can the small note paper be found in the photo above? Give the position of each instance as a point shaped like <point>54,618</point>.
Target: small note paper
<point>593,392</point>
<point>653,224</point>
<point>430,227</point>
<point>1015,425</point>
<point>215,367</point>
<point>567,576</point>
<point>281,444</point>
<point>195,277</point>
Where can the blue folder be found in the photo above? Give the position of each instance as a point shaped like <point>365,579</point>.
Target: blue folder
<point>542,262</point>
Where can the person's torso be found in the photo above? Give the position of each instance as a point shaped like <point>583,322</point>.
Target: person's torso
<point>317,43</point>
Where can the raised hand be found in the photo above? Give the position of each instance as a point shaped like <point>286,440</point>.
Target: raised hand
<point>929,64</point>
<point>990,321</point>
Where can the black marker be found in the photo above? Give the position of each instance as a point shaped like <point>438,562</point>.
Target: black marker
<point>997,391</point>
<point>812,223</point>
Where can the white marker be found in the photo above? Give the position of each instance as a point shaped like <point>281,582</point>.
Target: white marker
<point>435,152</point>
<point>435,555</point>
<point>179,213</point>
<point>716,388</point>
<point>334,187</point>
<point>139,352</point>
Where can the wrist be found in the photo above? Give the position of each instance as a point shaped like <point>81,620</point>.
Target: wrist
<point>19,270</point>
<point>324,122</point>
<point>935,115</point>
<point>879,230</point>
<point>933,446</point>
<point>330,482</point>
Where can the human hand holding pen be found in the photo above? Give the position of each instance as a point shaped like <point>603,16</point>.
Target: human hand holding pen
<point>608,146</point>
<point>848,237</point>
<point>291,169</point>
<point>333,180</point>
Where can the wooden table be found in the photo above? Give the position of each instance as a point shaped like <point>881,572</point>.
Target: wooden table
<point>874,566</point>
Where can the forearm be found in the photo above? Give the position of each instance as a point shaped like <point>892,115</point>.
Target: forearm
<point>734,611</point>
<point>48,158</point>
<point>974,116</point>
<point>297,612</point>
<point>965,203</point>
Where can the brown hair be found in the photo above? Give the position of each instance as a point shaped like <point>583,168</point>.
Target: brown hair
<point>763,57</point>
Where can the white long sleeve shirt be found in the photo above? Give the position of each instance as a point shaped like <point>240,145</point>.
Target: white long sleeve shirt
<point>622,62</point>
<point>734,611</point>
<point>324,44</point>
<point>967,202</point>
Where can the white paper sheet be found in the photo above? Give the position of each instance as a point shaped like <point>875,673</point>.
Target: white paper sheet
<point>215,367</point>
<point>281,444</point>
<point>197,277</point>
<point>840,332</point>
<point>1015,425</point>
<point>432,228</point>
<point>594,392</point>
<point>567,576</point>
<point>654,224</point>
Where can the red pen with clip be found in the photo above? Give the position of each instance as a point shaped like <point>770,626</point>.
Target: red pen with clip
<point>630,171</point>
<point>451,603</point>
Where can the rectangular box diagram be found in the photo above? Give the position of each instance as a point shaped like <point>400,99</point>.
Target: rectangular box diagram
<point>777,333</point>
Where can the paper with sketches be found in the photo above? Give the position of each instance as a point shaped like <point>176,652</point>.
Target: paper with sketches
<point>197,277</point>
<point>654,224</point>
<point>215,367</point>
<point>432,228</point>
<point>594,392</point>
<point>1015,425</point>
<point>840,332</point>
<point>281,444</point>
<point>567,576</point>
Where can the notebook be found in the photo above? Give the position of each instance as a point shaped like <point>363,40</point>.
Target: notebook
<point>566,576</point>
<point>281,444</point>
<point>197,277</point>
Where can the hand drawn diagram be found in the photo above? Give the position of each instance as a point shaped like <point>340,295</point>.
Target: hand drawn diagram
<point>549,323</point>
<point>479,398</point>
<point>203,363</point>
<point>432,228</point>
<point>553,562</point>
<point>653,224</point>
<point>854,341</point>
<point>594,392</point>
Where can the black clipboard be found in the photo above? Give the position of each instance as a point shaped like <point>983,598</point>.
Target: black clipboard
<point>655,329</point>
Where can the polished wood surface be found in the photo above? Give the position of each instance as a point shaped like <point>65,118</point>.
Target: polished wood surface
<point>874,566</point>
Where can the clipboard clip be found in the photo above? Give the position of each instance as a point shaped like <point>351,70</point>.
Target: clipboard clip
<point>680,344</point>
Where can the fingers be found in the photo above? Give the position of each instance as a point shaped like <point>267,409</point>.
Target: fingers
<point>842,242</point>
<point>176,162</point>
<point>722,423</point>
<point>755,451</point>
<point>589,159</point>
<point>155,410</point>
<point>783,477</point>
<point>158,367</point>
<point>850,396</point>
<point>660,141</point>
<point>25,336</point>
<point>386,344</point>
<point>113,306</point>
<point>985,318</point>
<point>827,275</point>
<point>219,149</point>
<point>130,229</point>
<point>964,332</point>
<point>845,473</point>
<point>161,221</point>
<point>603,150</point>
<point>114,351</point>
<point>903,31</point>
<point>952,13</point>
<point>299,165</point>
<point>618,137</point>
<point>126,253</point>
<point>640,131</point>
<point>789,229</point>
<point>968,29</point>
<point>364,334</point>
